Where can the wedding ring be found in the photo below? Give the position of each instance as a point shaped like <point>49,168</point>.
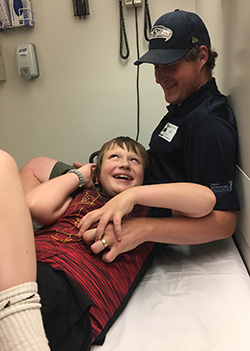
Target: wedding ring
<point>104,243</point>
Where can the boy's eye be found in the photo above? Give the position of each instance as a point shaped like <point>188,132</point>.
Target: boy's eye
<point>113,156</point>
<point>135,159</point>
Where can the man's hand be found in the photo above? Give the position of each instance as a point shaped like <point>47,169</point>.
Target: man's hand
<point>133,231</point>
<point>172,230</point>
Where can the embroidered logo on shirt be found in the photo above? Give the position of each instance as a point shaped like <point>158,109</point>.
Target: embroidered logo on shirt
<point>222,188</point>
<point>168,132</point>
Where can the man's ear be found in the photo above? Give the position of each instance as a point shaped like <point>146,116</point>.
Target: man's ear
<point>203,54</point>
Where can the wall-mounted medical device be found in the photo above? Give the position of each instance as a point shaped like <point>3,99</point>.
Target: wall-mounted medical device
<point>133,3</point>
<point>21,13</point>
<point>27,63</point>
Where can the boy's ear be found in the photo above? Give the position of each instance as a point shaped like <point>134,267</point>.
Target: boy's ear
<point>94,177</point>
<point>95,180</point>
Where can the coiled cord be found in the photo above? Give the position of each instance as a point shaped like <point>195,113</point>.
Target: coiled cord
<point>123,34</point>
<point>147,21</point>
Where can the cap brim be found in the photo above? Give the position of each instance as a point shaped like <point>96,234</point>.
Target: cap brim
<point>161,56</point>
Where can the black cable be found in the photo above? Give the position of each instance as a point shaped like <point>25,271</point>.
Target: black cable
<point>123,34</point>
<point>138,103</point>
<point>147,21</point>
<point>81,8</point>
<point>137,76</point>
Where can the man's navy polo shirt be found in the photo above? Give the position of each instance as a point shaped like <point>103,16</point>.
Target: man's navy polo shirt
<point>197,142</point>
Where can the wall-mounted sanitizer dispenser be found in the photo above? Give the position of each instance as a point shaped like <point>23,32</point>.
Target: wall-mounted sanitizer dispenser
<point>27,63</point>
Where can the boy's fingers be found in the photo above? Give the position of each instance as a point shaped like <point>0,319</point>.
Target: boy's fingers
<point>103,223</point>
<point>86,222</point>
<point>118,228</point>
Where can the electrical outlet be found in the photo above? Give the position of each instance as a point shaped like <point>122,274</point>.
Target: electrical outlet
<point>133,3</point>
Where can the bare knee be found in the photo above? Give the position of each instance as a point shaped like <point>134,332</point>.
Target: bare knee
<point>7,161</point>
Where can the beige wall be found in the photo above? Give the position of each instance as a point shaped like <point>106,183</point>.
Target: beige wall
<point>237,78</point>
<point>232,30</point>
<point>86,93</point>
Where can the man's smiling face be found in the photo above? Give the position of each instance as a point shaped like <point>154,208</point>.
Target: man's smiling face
<point>180,79</point>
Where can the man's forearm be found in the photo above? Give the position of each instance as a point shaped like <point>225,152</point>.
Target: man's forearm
<point>173,230</point>
<point>187,231</point>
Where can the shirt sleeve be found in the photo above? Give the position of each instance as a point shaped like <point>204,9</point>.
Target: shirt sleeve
<point>59,169</point>
<point>211,151</point>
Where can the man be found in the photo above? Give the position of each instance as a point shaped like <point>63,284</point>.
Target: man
<point>195,142</point>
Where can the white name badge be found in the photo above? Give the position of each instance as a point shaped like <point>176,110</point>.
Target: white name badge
<point>168,132</point>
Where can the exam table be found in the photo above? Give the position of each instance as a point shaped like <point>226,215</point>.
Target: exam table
<point>192,298</point>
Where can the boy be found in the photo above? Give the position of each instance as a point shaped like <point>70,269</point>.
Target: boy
<point>74,284</point>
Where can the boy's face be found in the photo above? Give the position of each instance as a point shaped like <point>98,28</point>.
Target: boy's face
<point>121,169</point>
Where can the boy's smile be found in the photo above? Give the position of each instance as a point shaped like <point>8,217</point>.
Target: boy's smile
<point>121,169</point>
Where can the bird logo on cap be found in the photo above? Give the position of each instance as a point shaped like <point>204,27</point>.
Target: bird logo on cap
<point>160,32</point>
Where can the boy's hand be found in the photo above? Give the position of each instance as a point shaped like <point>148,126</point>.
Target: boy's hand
<point>77,164</point>
<point>113,211</point>
<point>87,173</point>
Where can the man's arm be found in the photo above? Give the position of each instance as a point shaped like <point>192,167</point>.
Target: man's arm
<point>185,199</point>
<point>189,231</point>
<point>189,200</point>
<point>174,230</point>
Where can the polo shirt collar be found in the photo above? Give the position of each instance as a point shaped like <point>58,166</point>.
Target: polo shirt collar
<point>195,99</point>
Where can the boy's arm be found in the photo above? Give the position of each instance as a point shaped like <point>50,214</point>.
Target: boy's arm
<point>186,199</point>
<point>36,172</point>
<point>49,200</point>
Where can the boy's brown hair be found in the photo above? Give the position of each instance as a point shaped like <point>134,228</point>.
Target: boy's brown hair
<point>121,141</point>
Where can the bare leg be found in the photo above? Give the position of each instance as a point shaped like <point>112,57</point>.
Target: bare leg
<point>21,325</point>
<point>17,249</point>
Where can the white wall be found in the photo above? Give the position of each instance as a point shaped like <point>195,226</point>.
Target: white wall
<point>231,28</point>
<point>85,94</point>
<point>237,79</point>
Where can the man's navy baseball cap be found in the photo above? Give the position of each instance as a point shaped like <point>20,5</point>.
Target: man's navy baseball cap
<point>173,35</point>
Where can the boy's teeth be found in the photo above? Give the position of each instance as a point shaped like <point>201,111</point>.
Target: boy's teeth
<point>123,176</point>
